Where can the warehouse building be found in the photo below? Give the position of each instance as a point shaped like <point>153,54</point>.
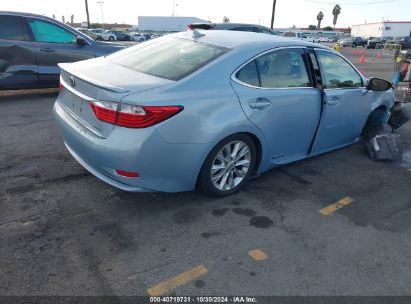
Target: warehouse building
<point>166,23</point>
<point>382,29</point>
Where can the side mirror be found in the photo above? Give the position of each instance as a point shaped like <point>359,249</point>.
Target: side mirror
<point>378,85</point>
<point>80,40</point>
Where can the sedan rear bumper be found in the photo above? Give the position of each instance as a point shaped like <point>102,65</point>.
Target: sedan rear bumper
<point>161,166</point>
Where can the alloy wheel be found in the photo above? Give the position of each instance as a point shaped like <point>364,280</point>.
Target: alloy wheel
<point>230,165</point>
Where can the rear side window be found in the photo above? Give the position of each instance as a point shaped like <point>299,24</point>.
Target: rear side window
<point>243,29</point>
<point>264,31</point>
<point>169,58</point>
<point>13,28</point>
<point>278,69</point>
<point>44,31</point>
<point>283,69</point>
<point>249,74</point>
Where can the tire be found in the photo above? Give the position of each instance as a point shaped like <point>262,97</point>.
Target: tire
<point>228,177</point>
<point>111,38</point>
<point>141,40</point>
<point>99,38</point>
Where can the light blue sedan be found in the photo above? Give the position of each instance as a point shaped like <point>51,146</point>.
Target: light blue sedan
<point>210,109</point>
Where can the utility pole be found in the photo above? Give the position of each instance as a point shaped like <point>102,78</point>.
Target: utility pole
<point>272,16</point>
<point>101,8</point>
<point>88,17</point>
<point>174,8</point>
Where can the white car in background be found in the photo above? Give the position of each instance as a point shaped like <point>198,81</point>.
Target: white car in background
<point>104,35</point>
<point>137,37</point>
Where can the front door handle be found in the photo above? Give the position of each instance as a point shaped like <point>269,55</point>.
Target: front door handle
<point>260,103</point>
<point>49,50</point>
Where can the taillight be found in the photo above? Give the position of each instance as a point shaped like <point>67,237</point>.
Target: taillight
<point>60,87</point>
<point>190,26</point>
<point>131,116</point>
<point>105,111</point>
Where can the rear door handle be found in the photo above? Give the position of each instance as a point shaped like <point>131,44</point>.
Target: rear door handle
<point>260,103</point>
<point>334,101</point>
<point>49,50</point>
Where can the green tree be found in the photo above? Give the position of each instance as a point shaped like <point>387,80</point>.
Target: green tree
<point>328,28</point>
<point>320,18</point>
<point>226,19</point>
<point>336,12</point>
<point>312,27</point>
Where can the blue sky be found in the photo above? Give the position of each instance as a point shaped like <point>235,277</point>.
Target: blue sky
<point>300,13</point>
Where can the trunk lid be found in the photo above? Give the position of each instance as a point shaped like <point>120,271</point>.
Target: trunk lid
<point>99,80</point>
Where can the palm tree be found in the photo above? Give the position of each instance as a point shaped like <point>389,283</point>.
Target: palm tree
<point>336,12</point>
<point>320,18</point>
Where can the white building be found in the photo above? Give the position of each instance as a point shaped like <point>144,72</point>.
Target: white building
<point>382,29</point>
<point>166,23</point>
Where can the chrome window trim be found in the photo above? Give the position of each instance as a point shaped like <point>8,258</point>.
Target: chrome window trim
<point>364,80</point>
<point>235,79</point>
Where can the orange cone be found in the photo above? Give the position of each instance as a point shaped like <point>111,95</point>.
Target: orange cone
<point>379,55</point>
<point>354,51</point>
<point>362,60</point>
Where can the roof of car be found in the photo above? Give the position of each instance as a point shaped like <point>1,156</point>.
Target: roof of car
<point>222,26</point>
<point>22,14</point>
<point>234,39</point>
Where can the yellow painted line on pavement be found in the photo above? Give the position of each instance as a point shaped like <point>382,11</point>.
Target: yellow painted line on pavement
<point>181,279</point>
<point>338,205</point>
<point>258,255</point>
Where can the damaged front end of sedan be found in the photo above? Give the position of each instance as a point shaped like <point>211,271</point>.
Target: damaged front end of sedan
<point>380,133</point>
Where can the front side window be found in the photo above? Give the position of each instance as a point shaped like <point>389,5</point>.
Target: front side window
<point>337,72</point>
<point>169,58</point>
<point>12,28</point>
<point>283,69</point>
<point>44,31</point>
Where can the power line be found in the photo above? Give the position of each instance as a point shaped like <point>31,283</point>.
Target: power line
<point>351,4</point>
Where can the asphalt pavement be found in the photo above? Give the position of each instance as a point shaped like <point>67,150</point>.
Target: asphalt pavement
<point>335,224</point>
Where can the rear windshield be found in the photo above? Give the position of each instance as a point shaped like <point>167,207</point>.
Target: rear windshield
<point>169,58</point>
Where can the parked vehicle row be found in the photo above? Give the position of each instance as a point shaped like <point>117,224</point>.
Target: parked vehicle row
<point>376,42</point>
<point>353,42</point>
<point>31,46</point>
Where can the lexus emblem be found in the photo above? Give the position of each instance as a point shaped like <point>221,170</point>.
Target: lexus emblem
<point>72,82</point>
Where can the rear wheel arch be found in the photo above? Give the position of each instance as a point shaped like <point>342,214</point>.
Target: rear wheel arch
<point>253,137</point>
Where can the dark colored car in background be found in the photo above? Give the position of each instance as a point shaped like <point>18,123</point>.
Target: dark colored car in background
<point>31,46</point>
<point>358,41</point>
<point>375,43</point>
<point>121,35</point>
<point>242,27</point>
<point>406,43</point>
